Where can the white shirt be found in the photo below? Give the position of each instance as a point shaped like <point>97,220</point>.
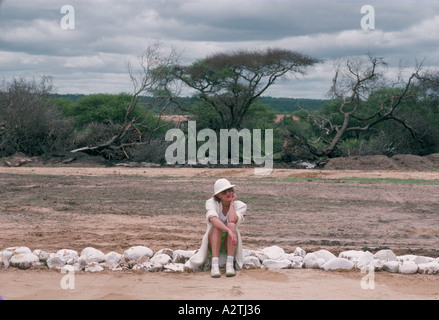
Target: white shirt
<point>223,217</point>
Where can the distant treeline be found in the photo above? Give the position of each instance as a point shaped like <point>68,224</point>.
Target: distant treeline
<point>280,105</point>
<point>290,105</point>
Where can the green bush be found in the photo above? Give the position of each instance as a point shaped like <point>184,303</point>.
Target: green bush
<point>98,108</point>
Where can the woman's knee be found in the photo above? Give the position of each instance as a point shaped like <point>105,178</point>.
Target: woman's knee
<point>231,226</point>
<point>215,233</point>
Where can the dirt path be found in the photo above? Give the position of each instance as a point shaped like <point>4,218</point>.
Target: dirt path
<point>246,285</point>
<point>208,172</point>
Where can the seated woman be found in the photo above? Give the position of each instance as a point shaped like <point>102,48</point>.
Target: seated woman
<point>224,215</point>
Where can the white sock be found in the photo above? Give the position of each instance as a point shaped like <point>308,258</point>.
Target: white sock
<point>230,260</point>
<point>215,260</point>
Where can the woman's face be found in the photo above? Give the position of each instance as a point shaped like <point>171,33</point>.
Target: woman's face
<point>226,195</point>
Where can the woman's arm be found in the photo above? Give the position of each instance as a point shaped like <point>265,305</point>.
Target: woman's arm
<point>217,223</point>
<point>233,217</point>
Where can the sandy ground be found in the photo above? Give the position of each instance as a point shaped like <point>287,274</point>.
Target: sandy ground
<point>246,285</point>
<point>113,209</point>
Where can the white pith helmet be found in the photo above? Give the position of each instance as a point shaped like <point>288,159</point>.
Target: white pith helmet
<point>221,185</point>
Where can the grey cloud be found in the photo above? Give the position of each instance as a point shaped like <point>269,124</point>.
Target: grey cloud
<point>110,32</point>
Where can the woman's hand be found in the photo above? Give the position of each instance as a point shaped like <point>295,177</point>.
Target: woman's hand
<point>232,213</point>
<point>233,237</point>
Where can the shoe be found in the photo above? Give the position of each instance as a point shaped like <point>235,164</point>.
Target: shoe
<point>215,272</point>
<point>230,271</point>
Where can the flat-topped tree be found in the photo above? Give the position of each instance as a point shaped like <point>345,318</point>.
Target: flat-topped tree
<point>229,83</point>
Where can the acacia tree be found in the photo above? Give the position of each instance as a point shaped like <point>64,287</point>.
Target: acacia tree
<point>353,83</point>
<point>229,83</point>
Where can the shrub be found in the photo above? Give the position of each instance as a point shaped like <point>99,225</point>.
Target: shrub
<point>30,123</point>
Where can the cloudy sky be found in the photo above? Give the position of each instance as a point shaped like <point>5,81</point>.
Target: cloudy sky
<point>35,39</point>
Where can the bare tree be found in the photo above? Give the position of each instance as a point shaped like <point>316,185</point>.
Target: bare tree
<point>151,80</point>
<point>429,81</point>
<point>352,84</point>
<point>30,123</point>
